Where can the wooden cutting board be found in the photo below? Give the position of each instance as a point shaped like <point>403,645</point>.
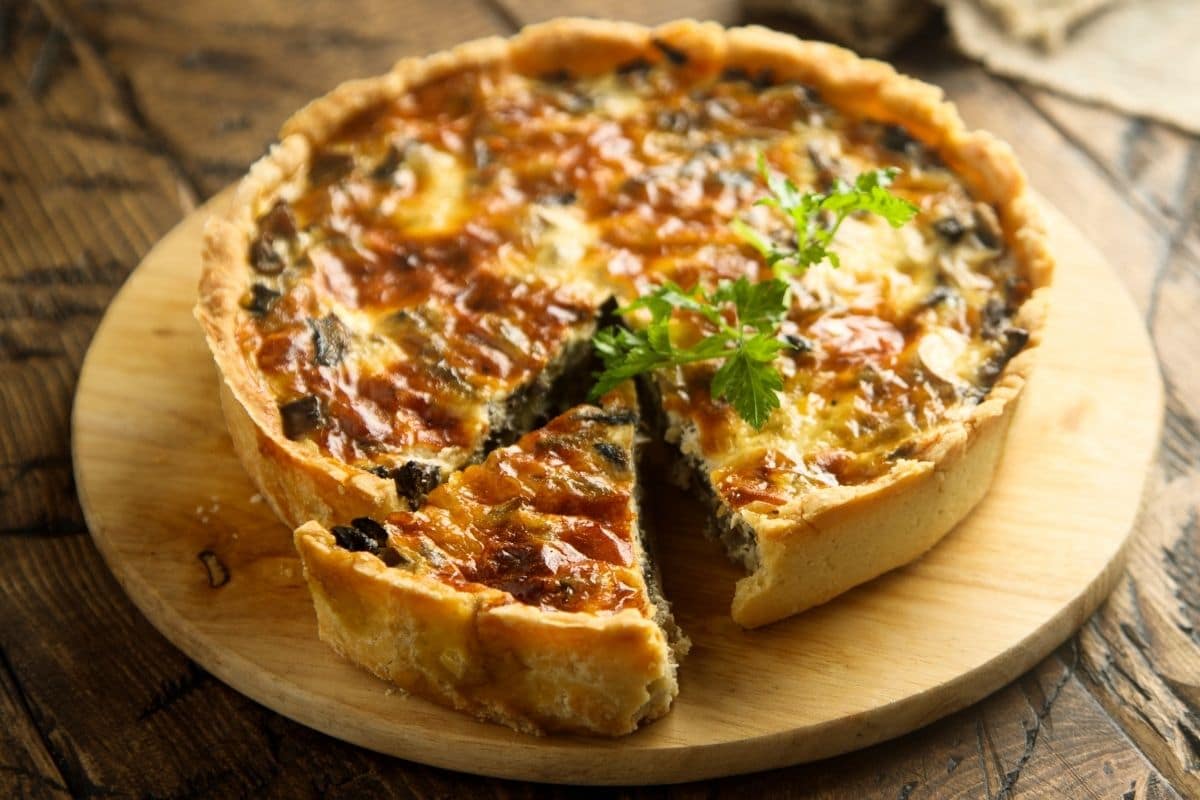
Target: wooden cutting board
<point>204,559</point>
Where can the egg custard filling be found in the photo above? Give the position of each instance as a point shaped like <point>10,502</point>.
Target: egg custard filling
<point>450,251</point>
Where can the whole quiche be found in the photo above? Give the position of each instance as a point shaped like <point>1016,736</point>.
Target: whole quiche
<point>412,293</point>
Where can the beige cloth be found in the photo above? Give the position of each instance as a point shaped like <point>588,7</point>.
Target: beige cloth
<point>1140,57</point>
<point>1043,22</point>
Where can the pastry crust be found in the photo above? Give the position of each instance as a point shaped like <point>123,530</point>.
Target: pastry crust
<point>531,669</point>
<point>528,667</point>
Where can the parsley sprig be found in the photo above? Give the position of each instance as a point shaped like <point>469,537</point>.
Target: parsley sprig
<point>747,343</point>
<point>869,193</point>
<point>742,319</point>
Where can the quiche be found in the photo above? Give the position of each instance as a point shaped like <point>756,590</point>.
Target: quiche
<point>521,591</point>
<point>409,282</point>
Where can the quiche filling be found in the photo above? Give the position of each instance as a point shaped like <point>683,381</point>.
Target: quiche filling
<point>447,255</point>
<point>551,521</point>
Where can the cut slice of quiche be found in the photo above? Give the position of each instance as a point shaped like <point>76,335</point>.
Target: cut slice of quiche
<point>522,591</point>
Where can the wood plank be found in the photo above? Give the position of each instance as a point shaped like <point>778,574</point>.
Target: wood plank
<point>1142,651</point>
<point>1043,736</point>
<point>219,78</point>
<point>26,769</point>
<point>78,212</point>
<point>1148,161</point>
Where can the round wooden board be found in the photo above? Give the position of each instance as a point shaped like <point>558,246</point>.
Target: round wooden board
<point>159,484</point>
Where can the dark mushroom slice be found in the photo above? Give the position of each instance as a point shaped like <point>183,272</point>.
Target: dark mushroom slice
<point>1015,340</point>
<point>800,344</point>
<point>950,229</point>
<point>994,319</point>
<point>987,226</point>
<point>279,222</point>
<point>940,294</point>
<point>330,340</point>
<point>264,257</point>
<point>362,535</point>
<point>391,557</point>
<point>259,299</point>
<point>329,168</point>
<point>613,454</point>
<point>899,140</point>
<point>386,169</point>
<point>608,417</point>
<point>414,480</point>
<point>301,416</point>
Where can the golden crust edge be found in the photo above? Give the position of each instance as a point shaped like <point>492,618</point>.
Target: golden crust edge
<point>533,670</point>
<point>861,86</point>
<point>297,483</point>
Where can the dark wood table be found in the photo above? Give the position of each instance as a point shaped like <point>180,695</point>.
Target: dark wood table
<point>117,117</point>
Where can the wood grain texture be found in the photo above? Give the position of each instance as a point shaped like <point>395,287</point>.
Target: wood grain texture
<point>26,768</point>
<point>217,79</point>
<point>116,185</point>
<point>216,573</point>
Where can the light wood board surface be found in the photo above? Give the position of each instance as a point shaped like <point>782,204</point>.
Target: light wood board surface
<point>160,485</point>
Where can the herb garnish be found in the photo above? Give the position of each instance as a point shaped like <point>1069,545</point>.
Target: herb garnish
<point>748,345</point>
<point>743,317</point>
<point>868,193</point>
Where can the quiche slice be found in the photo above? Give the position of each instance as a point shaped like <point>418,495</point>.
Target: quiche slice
<point>521,591</point>
<point>410,278</point>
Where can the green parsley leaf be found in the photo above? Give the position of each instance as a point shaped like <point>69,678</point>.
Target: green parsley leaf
<point>869,193</point>
<point>743,318</point>
<point>750,385</point>
<point>758,305</point>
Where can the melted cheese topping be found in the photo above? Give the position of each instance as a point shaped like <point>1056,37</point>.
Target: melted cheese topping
<point>452,245</point>
<point>550,521</point>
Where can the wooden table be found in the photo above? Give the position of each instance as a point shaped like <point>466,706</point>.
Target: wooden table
<point>117,118</point>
